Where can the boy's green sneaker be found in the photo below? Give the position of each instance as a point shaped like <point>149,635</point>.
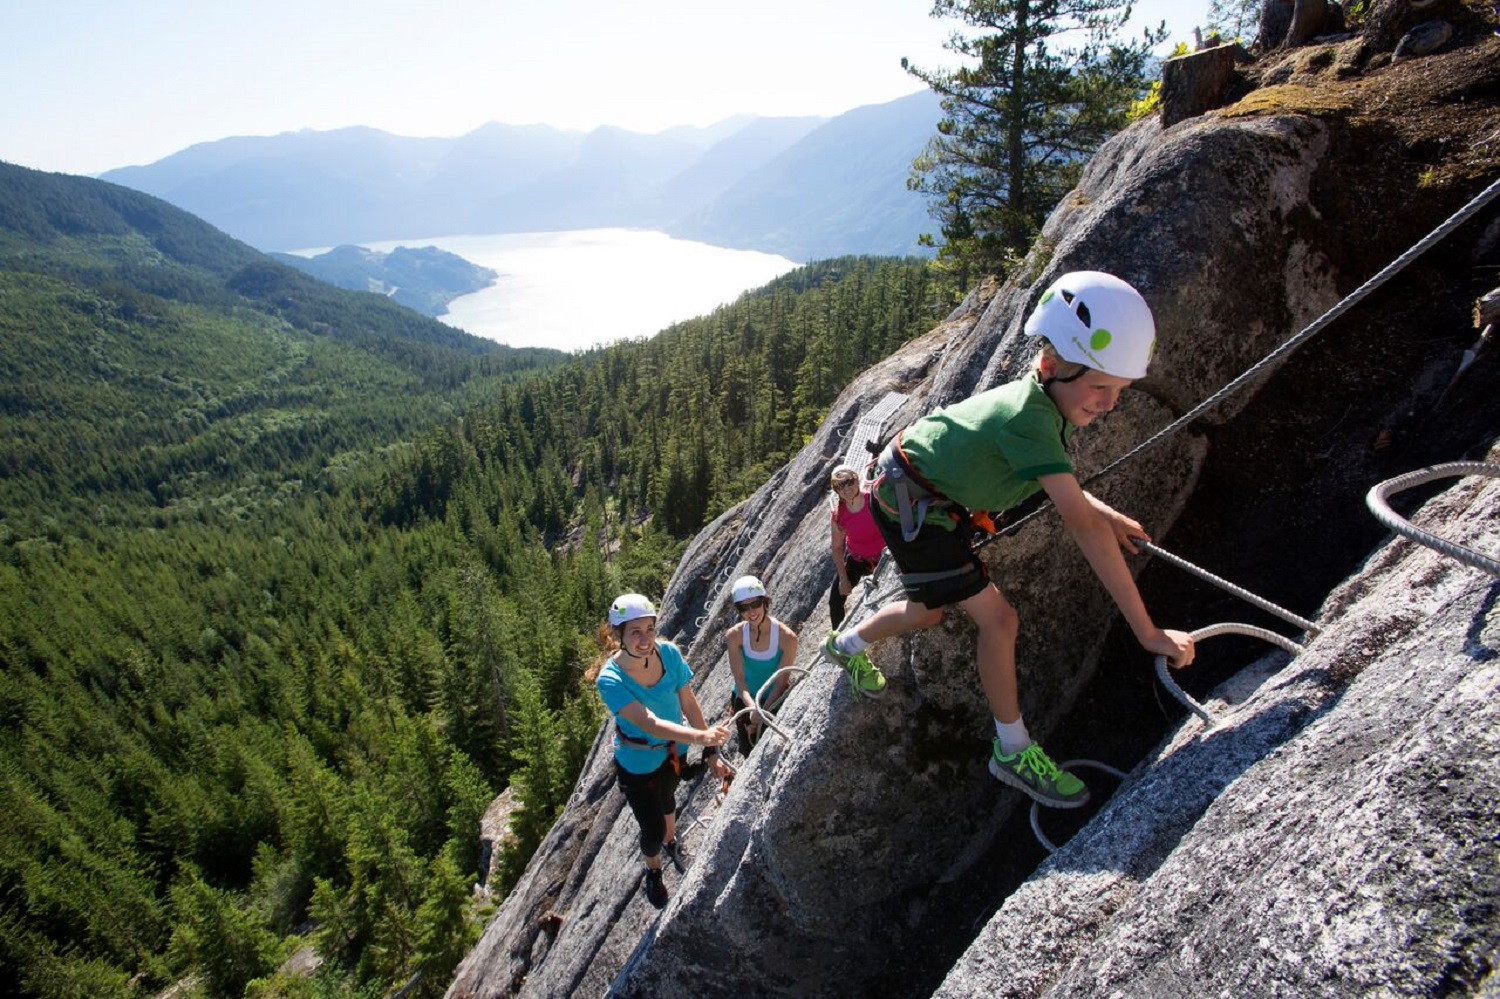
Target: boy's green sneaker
<point>866,678</point>
<point>1033,771</point>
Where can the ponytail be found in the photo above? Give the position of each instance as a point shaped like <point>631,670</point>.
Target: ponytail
<point>608,640</point>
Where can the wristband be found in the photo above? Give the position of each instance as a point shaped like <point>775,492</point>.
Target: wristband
<point>709,751</point>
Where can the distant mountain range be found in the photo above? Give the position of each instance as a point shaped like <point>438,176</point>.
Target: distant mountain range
<point>805,188</point>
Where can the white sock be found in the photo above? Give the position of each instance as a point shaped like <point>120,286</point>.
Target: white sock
<point>850,643</point>
<point>1013,735</point>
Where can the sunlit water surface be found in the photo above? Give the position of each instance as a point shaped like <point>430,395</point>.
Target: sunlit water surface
<point>574,290</point>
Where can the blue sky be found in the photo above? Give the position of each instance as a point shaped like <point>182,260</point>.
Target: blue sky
<point>89,85</point>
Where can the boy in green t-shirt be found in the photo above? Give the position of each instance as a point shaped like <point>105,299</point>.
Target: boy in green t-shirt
<point>987,454</point>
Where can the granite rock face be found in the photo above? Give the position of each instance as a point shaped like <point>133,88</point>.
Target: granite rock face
<point>836,853</point>
<point>1333,834</point>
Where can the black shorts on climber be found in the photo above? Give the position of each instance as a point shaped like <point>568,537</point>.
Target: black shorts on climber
<point>1032,771</point>
<point>863,674</point>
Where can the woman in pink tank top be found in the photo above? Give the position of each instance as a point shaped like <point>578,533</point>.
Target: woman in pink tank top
<point>856,541</point>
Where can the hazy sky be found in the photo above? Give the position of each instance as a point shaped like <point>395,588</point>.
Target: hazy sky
<point>89,85</point>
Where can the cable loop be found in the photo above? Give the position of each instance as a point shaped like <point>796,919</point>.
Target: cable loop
<point>763,712</point>
<point>1036,806</point>
<point>1213,631</point>
<point>1378,500</point>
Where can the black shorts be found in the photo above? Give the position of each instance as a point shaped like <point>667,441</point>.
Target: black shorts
<point>652,797</point>
<point>934,550</point>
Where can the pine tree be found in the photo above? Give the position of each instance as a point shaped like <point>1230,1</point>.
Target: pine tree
<point>540,785</point>
<point>218,936</point>
<point>444,932</point>
<point>1234,19</point>
<point>1020,122</point>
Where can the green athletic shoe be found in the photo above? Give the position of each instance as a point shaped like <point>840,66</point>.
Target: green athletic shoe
<point>863,675</point>
<point>1033,771</point>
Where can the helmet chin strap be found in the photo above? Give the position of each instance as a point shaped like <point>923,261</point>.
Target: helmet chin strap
<point>1047,382</point>
<point>620,637</point>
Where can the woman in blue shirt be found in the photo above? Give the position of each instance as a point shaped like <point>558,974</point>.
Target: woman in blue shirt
<point>644,682</point>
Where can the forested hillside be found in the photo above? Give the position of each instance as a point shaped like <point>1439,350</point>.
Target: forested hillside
<point>423,278</point>
<point>293,581</point>
<point>693,420</point>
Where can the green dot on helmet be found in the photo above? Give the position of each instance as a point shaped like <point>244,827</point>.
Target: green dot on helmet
<point>1100,339</point>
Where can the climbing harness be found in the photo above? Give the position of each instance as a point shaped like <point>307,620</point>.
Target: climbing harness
<point>914,494</point>
<point>638,743</point>
<point>1377,499</point>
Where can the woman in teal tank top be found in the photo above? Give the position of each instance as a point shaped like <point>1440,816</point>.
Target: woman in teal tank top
<point>758,646</point>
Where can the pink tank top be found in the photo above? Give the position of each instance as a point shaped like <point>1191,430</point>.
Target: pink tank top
<point>861,537</point>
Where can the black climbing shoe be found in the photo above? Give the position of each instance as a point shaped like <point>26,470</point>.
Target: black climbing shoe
<point>674,852</point>
<point>656,890</point>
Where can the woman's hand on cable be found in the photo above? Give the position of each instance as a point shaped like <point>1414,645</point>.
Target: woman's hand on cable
<point>1177,646</point>
<point>716,736</point>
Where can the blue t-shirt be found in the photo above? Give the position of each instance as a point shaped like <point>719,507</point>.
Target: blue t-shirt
<point>618,691</point>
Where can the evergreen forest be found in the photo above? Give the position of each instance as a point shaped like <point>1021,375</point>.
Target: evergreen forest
<point>294,581</point>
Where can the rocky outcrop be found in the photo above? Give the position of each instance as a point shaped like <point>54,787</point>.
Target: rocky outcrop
<point>1333,834</point>
<point>857,857</point>
<point>1200,81</point>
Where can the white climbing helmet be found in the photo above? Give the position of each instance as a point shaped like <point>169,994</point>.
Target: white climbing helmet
<point>1097,320</point>
<point>628,607</point>
<point>843,472</point>
<point>747,588</point>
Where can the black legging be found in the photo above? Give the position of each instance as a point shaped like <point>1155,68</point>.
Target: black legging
<point>856,569</point>
<point>652,797</point>
<point>742,723</point>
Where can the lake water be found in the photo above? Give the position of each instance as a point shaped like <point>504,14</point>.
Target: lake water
<point>574,290</point>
